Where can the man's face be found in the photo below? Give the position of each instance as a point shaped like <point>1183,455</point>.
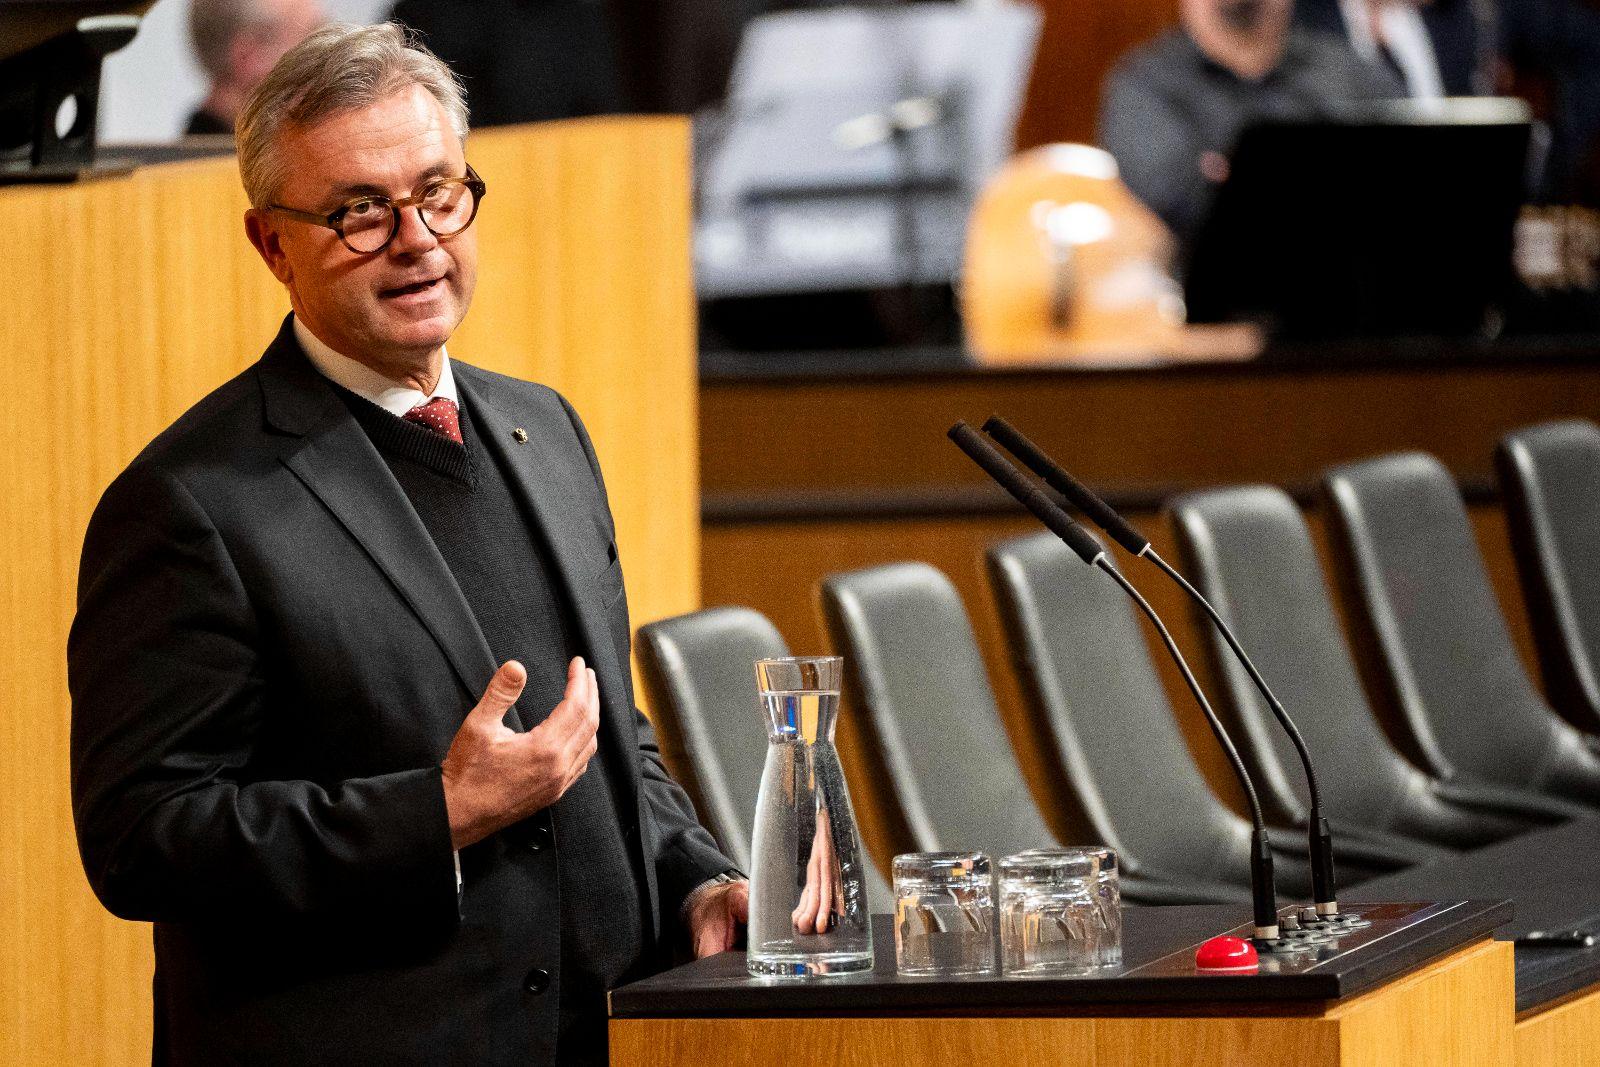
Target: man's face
<point>388,309</point>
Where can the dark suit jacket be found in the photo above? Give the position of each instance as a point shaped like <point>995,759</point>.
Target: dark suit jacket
<point>269,661</point>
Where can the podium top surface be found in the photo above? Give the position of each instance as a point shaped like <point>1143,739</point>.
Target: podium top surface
<point>1158,967</point>
<point>1549,875</point>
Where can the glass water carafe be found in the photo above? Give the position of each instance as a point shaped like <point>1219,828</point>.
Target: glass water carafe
<point>808,900</point>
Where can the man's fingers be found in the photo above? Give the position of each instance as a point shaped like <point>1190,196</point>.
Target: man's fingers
<point>710,941</point>
<point>502,692</point>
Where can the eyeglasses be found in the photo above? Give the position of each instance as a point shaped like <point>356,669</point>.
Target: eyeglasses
<point>367,224</point>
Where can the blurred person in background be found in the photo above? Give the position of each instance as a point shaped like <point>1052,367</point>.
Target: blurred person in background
<point>1435,48</point>
<point>1547,51</point>
<point>1174,107</point>
<point>237,42</point>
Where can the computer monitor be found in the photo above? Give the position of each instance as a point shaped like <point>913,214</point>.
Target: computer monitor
<point>1395,222</point>
<point>50,54</point>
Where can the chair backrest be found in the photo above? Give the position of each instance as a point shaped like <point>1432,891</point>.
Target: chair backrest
<point>699,670</point>
<point>1249,551</point>
<point>1550,479</point>
<point>1086,669</point>
<point>918,678</point>
<point>1445,655</point>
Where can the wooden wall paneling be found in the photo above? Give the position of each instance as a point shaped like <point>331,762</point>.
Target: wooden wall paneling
<point>1128,431</point>
<point>1079,45</point>
<point>129,299</point>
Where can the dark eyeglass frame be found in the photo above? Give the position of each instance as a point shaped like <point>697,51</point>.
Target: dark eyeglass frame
<point>335,219</point>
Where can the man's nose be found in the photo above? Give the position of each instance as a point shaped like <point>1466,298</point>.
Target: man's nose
<point>413,236</point>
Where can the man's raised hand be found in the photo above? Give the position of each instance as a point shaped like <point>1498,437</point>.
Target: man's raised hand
<point>495,776</point>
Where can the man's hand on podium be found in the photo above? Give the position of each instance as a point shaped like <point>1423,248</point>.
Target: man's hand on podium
<point>715,915</point>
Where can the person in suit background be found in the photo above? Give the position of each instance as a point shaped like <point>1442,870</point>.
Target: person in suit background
<point>1435,48</point>
<point>236,43</point>
<point>1173,108</point>
<point>1548,50</point>
<point>352,719</point>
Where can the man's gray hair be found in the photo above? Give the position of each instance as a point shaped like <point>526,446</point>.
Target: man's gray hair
<point>337,68</point>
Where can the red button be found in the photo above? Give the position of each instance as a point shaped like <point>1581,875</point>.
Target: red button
<point>1226,953</point>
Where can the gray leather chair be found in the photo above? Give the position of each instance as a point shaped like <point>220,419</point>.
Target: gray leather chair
<point>1249,551</point>
<point>1445,659</point>
<point>699,673</point>
<point>1086,670</point>
<point>1550,479</point>
<point>919,679</point>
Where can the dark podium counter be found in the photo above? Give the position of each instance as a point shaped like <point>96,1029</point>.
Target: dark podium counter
<point>1436,992</point>
<point>1158,968</point>
<point>1553,878</point>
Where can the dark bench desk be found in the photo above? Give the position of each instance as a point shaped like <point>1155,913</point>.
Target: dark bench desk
<point>1553,878</point>
<point>1438,992</point>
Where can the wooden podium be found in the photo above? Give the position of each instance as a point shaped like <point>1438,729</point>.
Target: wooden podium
<point>128,299</point>
<point>1454,1010</point>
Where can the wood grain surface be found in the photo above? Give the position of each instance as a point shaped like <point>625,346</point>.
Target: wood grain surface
<point>129,299</point>
<point>1562,1035</point>
<point>1455,1012</point>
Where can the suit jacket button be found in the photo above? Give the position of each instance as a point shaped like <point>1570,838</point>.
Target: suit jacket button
<point>539,837</point>
<point>538,981</point>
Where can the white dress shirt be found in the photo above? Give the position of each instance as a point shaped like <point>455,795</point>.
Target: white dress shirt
<point>362,380</point>
<point>1399,23</point>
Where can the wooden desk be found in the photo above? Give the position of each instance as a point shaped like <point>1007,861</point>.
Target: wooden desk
<point>1454,1010</point>
<point>1549,876</point>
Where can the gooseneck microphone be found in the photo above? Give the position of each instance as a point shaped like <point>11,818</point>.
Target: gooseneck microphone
<point>1263,890</point>
<point>1323,885</point>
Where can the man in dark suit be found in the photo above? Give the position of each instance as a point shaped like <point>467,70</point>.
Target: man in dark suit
<point>1174,107</point>
<point>352,715</point>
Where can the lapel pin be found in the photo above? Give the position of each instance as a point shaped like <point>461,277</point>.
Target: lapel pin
<point>520,435</point>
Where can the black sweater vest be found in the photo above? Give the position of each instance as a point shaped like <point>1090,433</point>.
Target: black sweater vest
<point>503,566</point>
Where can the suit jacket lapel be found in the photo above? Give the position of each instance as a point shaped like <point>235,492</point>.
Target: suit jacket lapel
<point>552,495</point>
<point>330,453</point>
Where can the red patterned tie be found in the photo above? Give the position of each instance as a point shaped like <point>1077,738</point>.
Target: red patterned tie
<point>438,415</point>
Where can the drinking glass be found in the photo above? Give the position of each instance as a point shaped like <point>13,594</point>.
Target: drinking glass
<point>944,914</point>
<point>1060,912</point>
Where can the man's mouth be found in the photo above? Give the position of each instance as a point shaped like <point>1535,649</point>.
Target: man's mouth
<point>414,289</point>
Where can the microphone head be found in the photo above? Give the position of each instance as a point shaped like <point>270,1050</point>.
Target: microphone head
<point>1079,495</point>
<point>1025,492</point>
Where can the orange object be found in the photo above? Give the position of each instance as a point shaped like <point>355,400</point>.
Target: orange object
<point>1063,262</point>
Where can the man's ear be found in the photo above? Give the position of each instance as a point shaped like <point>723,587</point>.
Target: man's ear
<point>260,227</point>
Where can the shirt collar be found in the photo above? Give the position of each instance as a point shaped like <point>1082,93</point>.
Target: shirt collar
<point>367,383</point>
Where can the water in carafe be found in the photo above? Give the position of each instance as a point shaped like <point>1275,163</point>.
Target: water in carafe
<point>808,902</point>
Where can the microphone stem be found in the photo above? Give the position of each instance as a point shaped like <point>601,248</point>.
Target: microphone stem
<point>1264,895</point>
<point>1200,698</point>
<point>1320,838</point>
<point>1250,668</point>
